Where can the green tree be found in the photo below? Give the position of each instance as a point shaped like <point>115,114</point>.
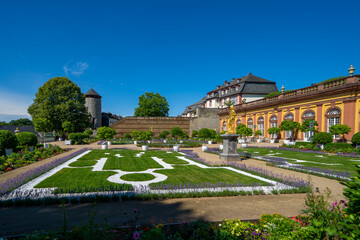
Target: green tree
<point>164,133</point>
<point>243,131</point>
<point>152,105</point>
<point>68,127</point>
<point>177,132</point>
<point>42,125</point>
<point>273,131</point>
<point>341,130</point>
<point>291,126</point>
<point>106,133</point>
<point>8,140</point>
<point>21,122</point>
<point>305,126</point>
<point>60,100</point>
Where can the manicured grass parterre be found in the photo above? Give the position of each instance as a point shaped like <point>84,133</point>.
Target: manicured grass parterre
<point>196,175</point>
<point>323,161</point>
<point>79,178</point>
<point>137,177</point>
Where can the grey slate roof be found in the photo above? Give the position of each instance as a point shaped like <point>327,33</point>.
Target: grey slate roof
<point>21,128</point>
<point>249,84</point>
<point>92,93</point>
<point>193,107</point>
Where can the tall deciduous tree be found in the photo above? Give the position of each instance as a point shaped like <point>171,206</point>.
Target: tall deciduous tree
<point>60,100</point>
<point>152,105</point>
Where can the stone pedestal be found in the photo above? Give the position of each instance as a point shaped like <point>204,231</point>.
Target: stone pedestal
<point>230,147</point>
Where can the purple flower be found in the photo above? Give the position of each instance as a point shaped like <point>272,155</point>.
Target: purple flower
<point>335,204</point>
<point>136,235</point>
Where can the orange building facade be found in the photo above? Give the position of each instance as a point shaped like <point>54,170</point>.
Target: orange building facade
<point>329,103</point>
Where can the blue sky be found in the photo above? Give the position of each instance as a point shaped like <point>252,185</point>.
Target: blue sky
<point>181,49</point>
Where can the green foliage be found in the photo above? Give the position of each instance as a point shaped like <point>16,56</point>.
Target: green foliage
<point>154,234</point>
<point>331,79</point>
<point>274,94</point>
<point>205,133</point>
<point>7,140</point>
<point>177,132</point>
<point>42,125</point>
<point>194,133</point>
<point>152,105</point>
<point>135,134</point>
<point>218,137</point>
<point>258,133</point>
<point>127,136</point>
<point>322,138</point>
<point>305,126</point>
<point>242,130</point>
<point>60,100</point>
<point>233,229</point>
<point>339,147</point>
<point>21,122</point>
<point>77,137</point>
<point>145,135</point>
<point>106,133</point>
<point>355,140</point>
<point>88,132</point>
<point>352,192</point>
<point>164,134</point>
<point>340,129</point>
<point>27,139</point>
<point>68,126</point>
<point>288,125</point>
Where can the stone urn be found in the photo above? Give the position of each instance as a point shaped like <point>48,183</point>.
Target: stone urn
<point>176,148</point>
<point>204,148</point>
<point>221,147</point>
<point>104,146</point>
<point>145,147</point>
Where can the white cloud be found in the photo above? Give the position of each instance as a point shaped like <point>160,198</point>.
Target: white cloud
<point>13,103</point>
<point>76,69</point>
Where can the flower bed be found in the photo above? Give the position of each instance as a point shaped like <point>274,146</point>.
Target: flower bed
<point>11,184</point>
<point>22,158</point>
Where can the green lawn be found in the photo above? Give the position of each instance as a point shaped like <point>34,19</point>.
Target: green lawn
<point>182,173</point>
<point>131,164</point>
<point>346,164</point>
<point>196,175</point>
<point>78,177</point>
<point>138,177</point>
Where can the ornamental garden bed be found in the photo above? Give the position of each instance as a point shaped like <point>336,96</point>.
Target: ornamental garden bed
<point>100,175</point>
<point>24,157</point>
<point>171,143</point>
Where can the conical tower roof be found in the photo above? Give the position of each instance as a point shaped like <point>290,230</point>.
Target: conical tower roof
<point>92,93</point>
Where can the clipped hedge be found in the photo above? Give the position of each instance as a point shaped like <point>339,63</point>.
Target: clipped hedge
<point>27,139</point>
<point>8,140</point>
<point>355,140</point>
<point>322,138</point>
<point>77,137</point>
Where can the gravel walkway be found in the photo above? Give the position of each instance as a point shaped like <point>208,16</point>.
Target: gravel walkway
<point>25,219</point>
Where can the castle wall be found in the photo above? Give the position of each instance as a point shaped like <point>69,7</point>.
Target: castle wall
<point>157,124</point>
<point>205,118</point>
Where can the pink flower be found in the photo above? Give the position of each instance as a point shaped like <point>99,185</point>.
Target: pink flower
<point>135,210</point>
<point>136,236</point>
<point>335,204</point>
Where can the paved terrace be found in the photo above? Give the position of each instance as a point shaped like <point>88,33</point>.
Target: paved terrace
<point>24,219</point>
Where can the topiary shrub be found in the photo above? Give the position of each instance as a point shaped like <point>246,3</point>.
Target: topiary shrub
<point>88,132</point>
<point>355,140</point>
<point>322,138</point>
<point>194,133</point>
<point>177,132</point>
<point>127,136</point>
<point>77,137</point>
<point>164,134</point>
<point>27,139</point>
<point>106,133</point>
<point>204,133</point>
<point>7,140</point>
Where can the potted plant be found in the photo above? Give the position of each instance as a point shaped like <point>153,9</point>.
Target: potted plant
<point>243,131</point>
<point>164,134</point>
<point>43,126</point>
<point>27,139</point>
<point>273,131</point>
<point>145,137</point>
<point>68,127</point>
<point>290,126</point>
<point>257,134</point>
<point>340,129</point>
<point>106,133</point>
<point>135,135</point>
<point>8,141</point>
<point>322,138</point>
<point>177,132</point>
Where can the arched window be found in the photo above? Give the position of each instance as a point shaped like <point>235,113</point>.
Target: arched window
<point>333,118</point>
<point>261,125</point>
<point>308,115</point>
<point>289,117</point>
<point>238,122</point>
<point>250,123</point>
<point>273,123</point>
<point>224,126</point>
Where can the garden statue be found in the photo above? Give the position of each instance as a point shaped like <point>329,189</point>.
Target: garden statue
<point>231,121</point>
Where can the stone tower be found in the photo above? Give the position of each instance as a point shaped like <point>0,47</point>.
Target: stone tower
<point>93,105</point>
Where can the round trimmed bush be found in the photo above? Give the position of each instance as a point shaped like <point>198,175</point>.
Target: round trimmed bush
<point>77,137</point>
<point>127,136</point>
<point>322,138</point>
<point>106,133</point>
<point>164,134</point>
<point>204,133</point>
<point>8,140</point>
<point>355,140</point>
<point>27,139</point>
